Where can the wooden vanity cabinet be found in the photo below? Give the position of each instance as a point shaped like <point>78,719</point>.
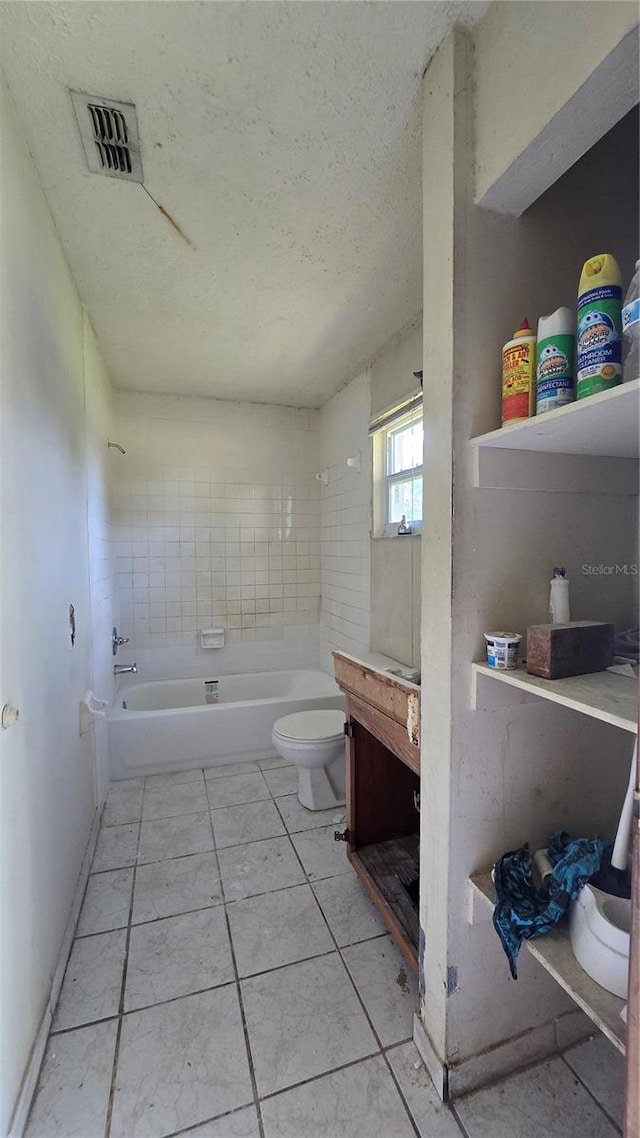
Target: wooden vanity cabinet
<point>383,787</point>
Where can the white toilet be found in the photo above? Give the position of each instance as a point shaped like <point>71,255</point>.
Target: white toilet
<point>314,741</point>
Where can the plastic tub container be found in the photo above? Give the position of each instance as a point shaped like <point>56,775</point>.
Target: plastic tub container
<point>502,650</point>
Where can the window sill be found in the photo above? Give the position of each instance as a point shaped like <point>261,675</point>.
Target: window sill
<point>395,536</point>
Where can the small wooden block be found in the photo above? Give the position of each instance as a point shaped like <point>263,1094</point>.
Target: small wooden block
<point>555,651</point>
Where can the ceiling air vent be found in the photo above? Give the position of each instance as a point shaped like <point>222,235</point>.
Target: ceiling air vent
<point>109,132</point>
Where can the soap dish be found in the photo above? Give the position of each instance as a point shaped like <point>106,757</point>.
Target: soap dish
<point>212,638</point>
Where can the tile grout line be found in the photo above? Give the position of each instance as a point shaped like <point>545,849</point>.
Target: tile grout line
<point>381,1049</point>
<point>359,998</point>
<point>337,950</point>
<point>562,1055</point>
<point>116,1054</point>
<point>245,1027</point>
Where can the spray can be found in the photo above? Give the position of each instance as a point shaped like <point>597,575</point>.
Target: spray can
<point>599,348</point>
<point>554,372</point>
<point>519,375</point>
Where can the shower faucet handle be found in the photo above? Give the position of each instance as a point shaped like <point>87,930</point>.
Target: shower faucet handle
<point>117,641</point>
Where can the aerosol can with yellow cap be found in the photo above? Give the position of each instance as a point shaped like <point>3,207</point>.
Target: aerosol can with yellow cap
<point>599,337</point>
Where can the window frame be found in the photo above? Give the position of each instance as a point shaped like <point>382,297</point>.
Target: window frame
<point>382,482</point>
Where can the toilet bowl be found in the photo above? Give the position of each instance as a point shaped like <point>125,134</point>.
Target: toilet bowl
<point>314,741</point>
<point>599,929</point>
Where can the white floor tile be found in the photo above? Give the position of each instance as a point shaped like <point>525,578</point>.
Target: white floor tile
<point>106,902</point>
<point>271,764</point>
<point>175,837</point>
<point>177,956</point>
<point>75,1080</point>
<point>359,1102</point>
<point>171,801</point>
<point>296,817</point>
<point>124,803</point>
<point>432,1117</point>
<point>240,1124</point>
<point>546,1101</point>
<point>179,1064</point>
<point>601,1068</point>
<point>320,854</point>
<point>178,885</point>
<point>351,915</point>
<point>174,778</point>
<point>259,867</point>
<point>276,929</point>
<point>237,825</point>
<point>92,982</point>
<point>303,1020</point>
<point>282,780</point>
<point>235,789</point>
<point>387,986</point>
<point>228,769</point>
<point>116,847</point>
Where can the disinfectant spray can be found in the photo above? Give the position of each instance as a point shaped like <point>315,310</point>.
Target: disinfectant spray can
<point>556,349</point>
<point>599,355</point>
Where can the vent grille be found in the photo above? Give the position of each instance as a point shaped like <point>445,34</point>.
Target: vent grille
<point>109,132</point>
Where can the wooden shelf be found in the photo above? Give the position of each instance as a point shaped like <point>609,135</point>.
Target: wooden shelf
<point>604,424</point>
<point>391,866</point>
<point>602,695</point>
<point>553,951</point>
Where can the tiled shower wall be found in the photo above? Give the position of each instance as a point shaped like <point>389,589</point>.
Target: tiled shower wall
<point>346,521</point>
<point>217,516</point>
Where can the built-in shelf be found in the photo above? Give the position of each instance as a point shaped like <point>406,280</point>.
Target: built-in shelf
<point>604,424</point>
<point>602,695</point>
<point>553,951</point>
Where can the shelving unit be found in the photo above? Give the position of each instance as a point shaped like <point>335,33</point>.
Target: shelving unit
<point>553,951</point>
<point>604,425</point>
<point>602,695</point>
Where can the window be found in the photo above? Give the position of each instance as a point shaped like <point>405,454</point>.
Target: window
<point>397,468</point>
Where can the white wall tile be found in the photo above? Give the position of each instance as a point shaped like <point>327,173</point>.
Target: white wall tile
<point>216,501</point>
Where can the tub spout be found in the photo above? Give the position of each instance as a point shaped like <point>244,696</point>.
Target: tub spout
<point>123,669</point>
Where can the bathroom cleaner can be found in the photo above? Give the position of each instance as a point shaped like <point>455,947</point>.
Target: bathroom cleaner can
<point>519,375</point>
<point>555,355</point>
<point>599,340</point>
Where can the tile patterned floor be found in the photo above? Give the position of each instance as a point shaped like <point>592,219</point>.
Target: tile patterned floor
<point>230,979</point>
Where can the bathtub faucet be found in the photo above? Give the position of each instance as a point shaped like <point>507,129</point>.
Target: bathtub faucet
<point>122,669</point>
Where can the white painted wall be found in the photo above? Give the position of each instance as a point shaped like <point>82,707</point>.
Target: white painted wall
<point>103,583</point>
<point>395,562</point>
<point>550,80</point>
<point>217,521</point>
<point>47,772</point>
<point>393,367</point>
<point>497,778</point>
<point>345,522</point>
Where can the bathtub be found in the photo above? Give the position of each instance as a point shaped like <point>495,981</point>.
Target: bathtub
<point>172,725</point>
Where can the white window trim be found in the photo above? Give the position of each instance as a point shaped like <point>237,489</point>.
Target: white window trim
<point>380,429</point>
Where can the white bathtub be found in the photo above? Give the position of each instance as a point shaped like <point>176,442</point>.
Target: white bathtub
<point>169,725</point>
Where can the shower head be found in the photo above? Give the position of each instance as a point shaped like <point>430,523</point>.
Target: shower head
<point>116,446</point>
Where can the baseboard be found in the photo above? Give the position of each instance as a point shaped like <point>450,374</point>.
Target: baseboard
<point>455,1079</point>
<point>436,1069</point>
<point>32,1072</point>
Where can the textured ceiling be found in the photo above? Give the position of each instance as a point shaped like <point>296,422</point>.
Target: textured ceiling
<point>283,138</point>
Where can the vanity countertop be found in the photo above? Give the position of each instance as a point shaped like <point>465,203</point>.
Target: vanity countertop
<point>390,669</point>
<point>368,683</point>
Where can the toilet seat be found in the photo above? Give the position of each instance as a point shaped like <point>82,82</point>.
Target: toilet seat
<point>311,726</point>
